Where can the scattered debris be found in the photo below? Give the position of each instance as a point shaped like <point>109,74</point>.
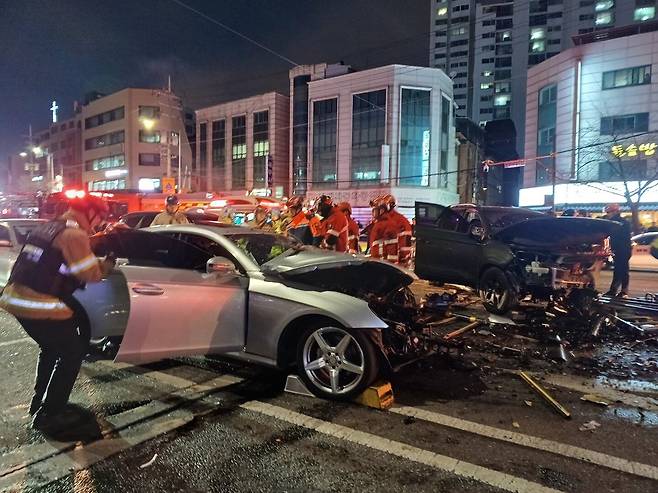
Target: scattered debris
<point>461,331</point>
<point>516,424</point>
<point>484,332</point>
<point>149,463</point>
<point>528,403</point>
<point>547,397</point>
<point>595,399</point>
<point>589,426</point>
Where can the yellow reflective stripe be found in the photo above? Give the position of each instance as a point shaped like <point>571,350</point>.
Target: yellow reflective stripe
<point>333,232</point>
<point>405,233</point>
<point>391,242</point>
<point>391,257</point>
<point>405,249</point>
<point>83,264</point>
<point>31,304</point>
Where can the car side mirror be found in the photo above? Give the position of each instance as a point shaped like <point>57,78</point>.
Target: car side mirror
<point>220,265</point>
<point>5,243</point>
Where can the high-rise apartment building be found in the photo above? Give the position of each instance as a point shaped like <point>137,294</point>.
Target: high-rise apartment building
<point>487,46</point>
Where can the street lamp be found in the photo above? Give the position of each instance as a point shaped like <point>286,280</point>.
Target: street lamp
<point>22,154</point>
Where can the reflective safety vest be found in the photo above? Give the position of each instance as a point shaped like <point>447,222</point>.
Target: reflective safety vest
<point>384,239</point>
<point>55,261</point>
<point>404,237</point>
<point>299,228</point>
<point>352,236</point>
<point>40,266</point>
<point>335,233</point>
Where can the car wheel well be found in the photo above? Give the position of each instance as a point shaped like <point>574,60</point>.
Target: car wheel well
<point>288,340</point>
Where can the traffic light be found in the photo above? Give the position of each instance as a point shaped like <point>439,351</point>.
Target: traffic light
<point>269,172</point>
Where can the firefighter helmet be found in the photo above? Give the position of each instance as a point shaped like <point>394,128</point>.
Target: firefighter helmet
<point>345,208</point>
<point>389,201</point>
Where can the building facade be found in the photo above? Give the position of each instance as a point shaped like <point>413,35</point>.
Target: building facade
<point>133,138</point>
<point>384,130</point>
<point>242,146</point>
<point>487,46</point>
<point>592,120</point>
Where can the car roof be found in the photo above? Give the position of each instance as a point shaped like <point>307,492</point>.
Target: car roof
<point>19,222</point>
<point>223,230</point>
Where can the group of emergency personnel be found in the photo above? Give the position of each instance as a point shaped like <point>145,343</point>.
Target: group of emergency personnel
<point>330,226</point>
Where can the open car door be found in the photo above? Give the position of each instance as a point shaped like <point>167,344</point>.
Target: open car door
<point>176,307</point>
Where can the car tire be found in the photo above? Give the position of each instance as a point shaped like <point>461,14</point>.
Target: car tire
<point>497,293</point>
<point>335,362</point>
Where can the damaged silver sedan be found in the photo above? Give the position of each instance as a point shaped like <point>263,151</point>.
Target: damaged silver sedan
<point>255,296</point>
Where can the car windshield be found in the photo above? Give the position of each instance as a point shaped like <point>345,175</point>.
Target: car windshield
<point>22,231</point>
<point>502,218</point>
<point>263,247</point>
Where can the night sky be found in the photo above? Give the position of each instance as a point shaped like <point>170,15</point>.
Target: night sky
<point>62,49</point>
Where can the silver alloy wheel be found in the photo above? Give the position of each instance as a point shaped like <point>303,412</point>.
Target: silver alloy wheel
<point>333,360</point>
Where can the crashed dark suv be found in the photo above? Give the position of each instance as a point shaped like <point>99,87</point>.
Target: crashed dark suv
<point>506,253</point>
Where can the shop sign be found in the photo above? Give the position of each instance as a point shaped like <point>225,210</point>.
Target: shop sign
<point>648,149</point>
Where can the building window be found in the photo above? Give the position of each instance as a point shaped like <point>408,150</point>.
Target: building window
<point>149,159</point>
<point>459,20</point>
<point>459,96</point>
<point>488,60</point>
<point>150,112</point>
<point>624,124</point>
<point>538,6</point>
<point>633,169</point>
<point>459,42</point>
<point>442,11</point>
<point>644,13</point>
<point>459,53</point>
<point>458,31</point>
<point>445,141</point>
<point>149,136</point>
<point>487,73</point>
<point>103,118</point>
<point>100,185</point>
<point>460,8</point>
<point>261,147</point>
<point>489,48</point>
<point>368,134</point>
<point>442,33</point>
<point>504,24</point>
<point>537,33</point>
<point>484,99</point>
<point>415,132</point>
<point>439,55</point>
<point>603,5</point>
<point>108,162</point>
<point>484,111</point>
<point>218,151</point>
<point>554,15</point>
<point>503,88</point>
<point>503,36</point>
<point>239,151</point>
<point>503,74</point>
<point>300,133</point>
<point>538,46</point>
<point>586,17</point>
<point>634,76</point>
<point>488,35</point>
<point>538,20</point>
<point>105,140</point>
<point>486,85</point>
<point>491,22</point>
<point>504,49</point>
<point>440,45</point>
<point>604,19</point>
<point>325,116</point>
<point>546,123</point>
<point>586,3</point>
<point>203,149</point>
<point>536,58</point>
<point>502,100</point>
<point>504,62</point>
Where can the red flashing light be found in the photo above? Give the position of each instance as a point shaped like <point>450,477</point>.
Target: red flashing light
<point>75,194</point>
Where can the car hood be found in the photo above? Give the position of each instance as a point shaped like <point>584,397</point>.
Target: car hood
<point>347,273</point>
<point>557,231</point>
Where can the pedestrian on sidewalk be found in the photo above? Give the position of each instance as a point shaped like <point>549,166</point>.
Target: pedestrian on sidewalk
<point>620,244</point>
<point>55,261</point>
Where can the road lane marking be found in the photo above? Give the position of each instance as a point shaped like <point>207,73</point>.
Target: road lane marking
<point>571,451</point>
<point>448,464</point>
<point>17,341</point>
<point>44,473</point>
<point>576,384</point>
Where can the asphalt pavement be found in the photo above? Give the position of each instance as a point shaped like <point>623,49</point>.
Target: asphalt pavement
<point>207,424</point>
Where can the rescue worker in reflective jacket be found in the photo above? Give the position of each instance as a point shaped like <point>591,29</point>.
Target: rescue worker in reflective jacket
<point>383,238</point>
<point>298,225</point>
<point>352,228</point>
<point>404,230</point>
<point>334,225</point>
<point>171,214</point>
<point>55,261</point>
<point>261,220</point>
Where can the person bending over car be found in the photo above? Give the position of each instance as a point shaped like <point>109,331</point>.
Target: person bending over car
<point>55,261</point>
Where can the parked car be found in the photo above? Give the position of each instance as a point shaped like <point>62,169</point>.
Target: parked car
<point>506,253</point>
<point>259,297</point>
<point>642,258</point>
<point>143,219</point>
<point>13,233</point>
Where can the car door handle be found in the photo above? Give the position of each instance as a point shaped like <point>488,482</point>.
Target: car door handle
<point>148,289</point>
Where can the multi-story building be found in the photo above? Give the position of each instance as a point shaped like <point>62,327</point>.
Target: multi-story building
<point>131,139</point>
<point>487,46</point>
<point>385,130</point>
<point>242,146</point>
<point>592,121</point>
